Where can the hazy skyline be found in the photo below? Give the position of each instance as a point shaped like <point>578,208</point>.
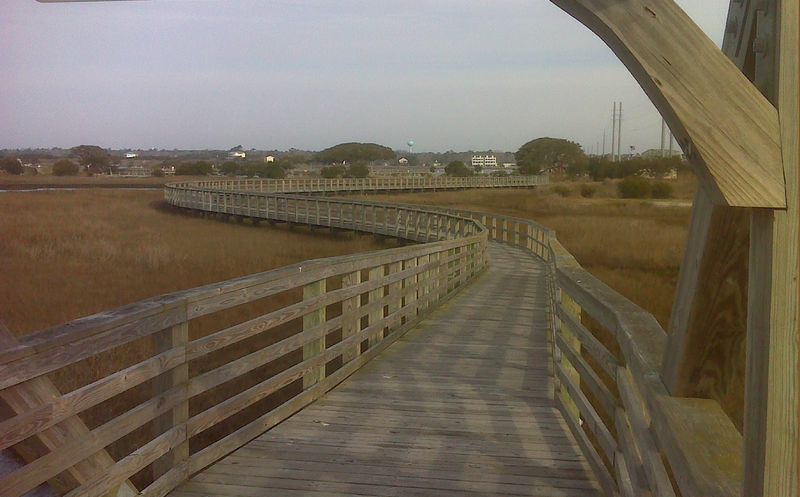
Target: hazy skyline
<point>193,74</point>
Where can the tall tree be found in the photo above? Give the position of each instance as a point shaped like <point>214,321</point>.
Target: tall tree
<point>95,159</point>
<point>354,152</point>
<point>544,153</point>
<point>11,165</point>
<point>458,169</point>
<point>65,167</point>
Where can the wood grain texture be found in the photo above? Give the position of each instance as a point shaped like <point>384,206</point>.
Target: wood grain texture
<point>771,401</point>
<point>701,444</point>
<point>588,341</point>
<point>350,322</point>
<point>638,416</point>
<point>177,377</point>
<point>311,320</point>
<point>705,354</point>
<point>727,129</point>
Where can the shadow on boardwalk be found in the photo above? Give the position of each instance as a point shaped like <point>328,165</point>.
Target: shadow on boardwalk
<point>460,405</point>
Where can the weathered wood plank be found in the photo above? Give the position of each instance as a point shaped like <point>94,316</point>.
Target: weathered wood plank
<point>311,320</point>
<point>588,376</point>
<point>588,341</point>
<point>177,377</point>
<point>588,414</point>
<point>771,398</point>
<point>701,444</point>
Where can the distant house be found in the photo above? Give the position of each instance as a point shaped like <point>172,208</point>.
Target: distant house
<point>655,153</point>
<point>403,161</point>
<point>484,161</point>
<point>269,158</point>
<point>131,172</point>
<point>131,155</point>
<point>236,155</point>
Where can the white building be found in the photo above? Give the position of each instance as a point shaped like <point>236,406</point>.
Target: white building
<point>484,161</point>
<point>269,158</point>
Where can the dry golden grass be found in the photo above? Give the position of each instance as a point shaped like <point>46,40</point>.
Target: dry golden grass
<point>634,246</point>
<point>64,255</point>
<point>11,182</point>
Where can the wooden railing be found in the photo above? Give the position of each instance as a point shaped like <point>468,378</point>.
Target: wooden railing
<point>354,185</point>
<point>345,311</point>
<point>606,355</point>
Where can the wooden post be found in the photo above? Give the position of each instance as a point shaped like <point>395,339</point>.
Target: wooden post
<point>375,295</point>
<point>177,336</point>
<point>771,392</point>
<point>394,293</point>
<point>311,320</point>
<point>423,277</point>
<point>351,324</point>
<point>573,308</point>
<point>410,298</point>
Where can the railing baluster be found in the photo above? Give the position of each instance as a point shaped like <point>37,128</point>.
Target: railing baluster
<point>310,320</point>
<point>174,337</point>
<point>351,323</point>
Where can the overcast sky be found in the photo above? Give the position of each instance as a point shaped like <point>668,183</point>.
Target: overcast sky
<point>308,74</point>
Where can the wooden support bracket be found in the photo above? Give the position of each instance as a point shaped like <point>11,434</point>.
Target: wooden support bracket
<point>728,130</point>
<point>25,396</point>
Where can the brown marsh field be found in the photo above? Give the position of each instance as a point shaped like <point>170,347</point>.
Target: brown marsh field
<point>64,255</point>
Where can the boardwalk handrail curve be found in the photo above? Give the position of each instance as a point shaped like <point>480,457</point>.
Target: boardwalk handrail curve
<point>382,295</point>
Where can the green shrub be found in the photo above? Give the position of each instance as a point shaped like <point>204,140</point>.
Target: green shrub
<point>65,167</point>
<point>357,170</point>
<point>587,191</point>
<point>634,187</point>
<point>332,172</point>
<point>662,189</point>
<point>562,190</point>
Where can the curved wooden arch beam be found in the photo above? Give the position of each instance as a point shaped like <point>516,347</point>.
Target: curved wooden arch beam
<point>728,130</point>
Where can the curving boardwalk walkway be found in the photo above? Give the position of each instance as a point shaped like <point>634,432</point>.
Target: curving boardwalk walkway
<point>461,405</point>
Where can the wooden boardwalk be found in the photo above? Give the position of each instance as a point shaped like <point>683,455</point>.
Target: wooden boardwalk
<point>461,405</point>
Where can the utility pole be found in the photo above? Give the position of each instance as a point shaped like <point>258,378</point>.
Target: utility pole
<point>619,133</point>
<point>670,144</point>
<point>663,137</point>
<point>604,144</point>
<point>614,133</point>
